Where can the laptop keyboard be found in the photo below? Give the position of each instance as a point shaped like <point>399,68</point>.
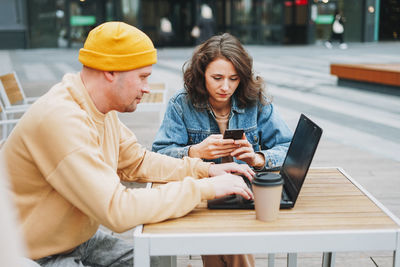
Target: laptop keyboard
<point>236,201</point>
<point>285,196</point>
<point>242,200</point>
<point>248,183</point>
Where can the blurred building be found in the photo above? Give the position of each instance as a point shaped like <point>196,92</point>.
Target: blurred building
<point>65,23</point>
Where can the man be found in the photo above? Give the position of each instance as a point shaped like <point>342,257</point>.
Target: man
<point>68,153</point>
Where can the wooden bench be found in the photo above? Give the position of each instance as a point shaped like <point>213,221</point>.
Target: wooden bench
<point>156,100</point>
<point>381,74</point>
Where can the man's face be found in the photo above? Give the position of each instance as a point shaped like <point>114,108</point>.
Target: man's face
<point>129,89</point>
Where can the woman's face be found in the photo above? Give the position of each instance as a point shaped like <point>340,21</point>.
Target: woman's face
<point>221,81</point>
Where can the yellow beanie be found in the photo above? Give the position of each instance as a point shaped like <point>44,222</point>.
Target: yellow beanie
<point>117,46</point>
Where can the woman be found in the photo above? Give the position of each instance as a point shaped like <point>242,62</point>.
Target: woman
<point>221,92</point>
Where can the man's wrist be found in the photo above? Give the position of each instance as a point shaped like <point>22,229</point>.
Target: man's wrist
<point>210,170</point>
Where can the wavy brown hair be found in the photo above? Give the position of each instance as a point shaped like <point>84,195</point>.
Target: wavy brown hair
<point>251,87</point>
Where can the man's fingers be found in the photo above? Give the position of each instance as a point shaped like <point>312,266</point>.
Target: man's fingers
<point>231,184</point>
<point>248,193</point>
<point>244,191</point>
<point>246,171</point>
<point>249,175</point>
<point>249,171</point>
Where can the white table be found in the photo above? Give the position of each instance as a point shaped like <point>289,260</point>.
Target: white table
<point>333,214</point>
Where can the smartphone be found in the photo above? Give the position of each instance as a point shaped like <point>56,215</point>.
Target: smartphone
<point>233,134</point>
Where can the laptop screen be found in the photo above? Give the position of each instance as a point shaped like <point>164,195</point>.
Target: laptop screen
<point>300,154</point>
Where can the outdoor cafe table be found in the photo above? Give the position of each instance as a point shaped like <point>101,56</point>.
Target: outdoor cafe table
<point>333,214</point>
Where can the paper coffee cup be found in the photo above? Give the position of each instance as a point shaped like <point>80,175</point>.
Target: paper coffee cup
<point>267,189</point>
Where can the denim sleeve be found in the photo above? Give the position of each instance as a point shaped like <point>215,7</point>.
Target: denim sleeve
<point>275,137</point>
<point>172,137</point>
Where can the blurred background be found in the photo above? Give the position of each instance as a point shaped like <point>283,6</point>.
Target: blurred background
<point>65,23</point>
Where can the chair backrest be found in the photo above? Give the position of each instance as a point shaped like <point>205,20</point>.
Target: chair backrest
<point>157,86</point>
<point>3,115</point>
<point>12,89</point>
<point>6,124</point>
<point>156,95</point>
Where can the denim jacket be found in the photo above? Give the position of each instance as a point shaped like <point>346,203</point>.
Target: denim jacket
<point>184,125</point>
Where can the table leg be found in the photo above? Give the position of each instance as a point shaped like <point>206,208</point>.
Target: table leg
<point>271,259</point>
<point>396,253</point>
<point>396,259</point>
<point>141,253</point>
<point>168,261</point>
<point>292,259</point>
<point>328,259</point>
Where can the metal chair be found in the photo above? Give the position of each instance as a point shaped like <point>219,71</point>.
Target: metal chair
<point>12,94</point>
<point>7,120</point>
<point>156,100</point>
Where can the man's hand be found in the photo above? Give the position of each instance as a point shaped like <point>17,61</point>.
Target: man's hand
<point>232,167</point>
<point>212,147</point>
<point>228,184</point>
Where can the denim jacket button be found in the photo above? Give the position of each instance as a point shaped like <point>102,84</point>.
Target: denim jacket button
<point>269,163</point>
<point>256,138</point>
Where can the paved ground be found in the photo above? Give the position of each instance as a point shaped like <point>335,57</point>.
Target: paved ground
<point>361,126</point>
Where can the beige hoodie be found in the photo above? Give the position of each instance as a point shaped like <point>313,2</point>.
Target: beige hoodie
<point>65,160</point>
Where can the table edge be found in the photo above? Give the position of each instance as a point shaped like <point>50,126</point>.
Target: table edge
<point>138,230</point>
<point>371,197</point>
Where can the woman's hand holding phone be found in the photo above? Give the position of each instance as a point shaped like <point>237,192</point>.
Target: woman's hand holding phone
<point>217,146</point>
<point>233,134</point>
<point>245,152</point>
<point>213,147</point>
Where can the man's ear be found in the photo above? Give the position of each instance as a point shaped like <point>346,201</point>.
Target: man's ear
<point>109,75</point>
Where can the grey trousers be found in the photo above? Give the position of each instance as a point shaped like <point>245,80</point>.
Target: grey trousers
<point>101,250</point>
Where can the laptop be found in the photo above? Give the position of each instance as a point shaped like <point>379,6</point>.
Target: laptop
<point>294,169</point>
